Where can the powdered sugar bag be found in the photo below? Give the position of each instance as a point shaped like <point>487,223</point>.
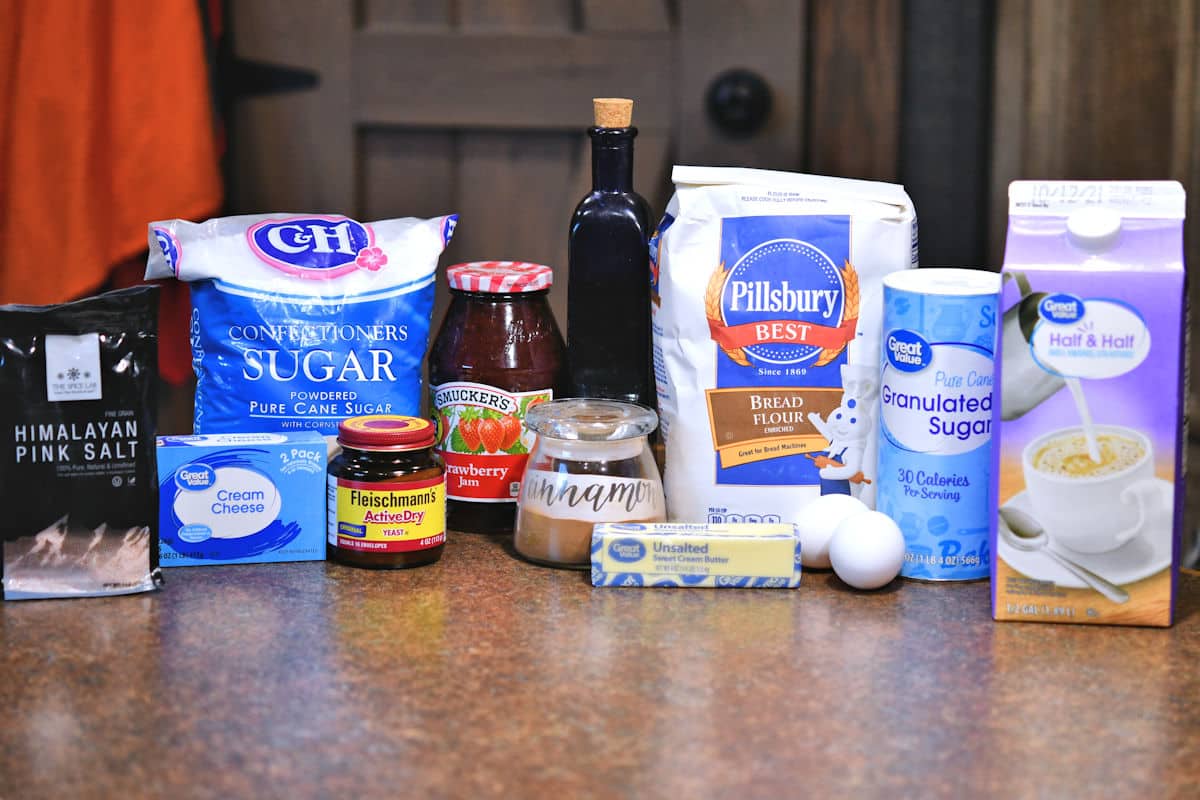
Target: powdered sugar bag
<point>767,308</point>
<point>301,320</point>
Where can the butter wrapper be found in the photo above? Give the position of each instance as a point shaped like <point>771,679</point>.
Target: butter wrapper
<point>735,556</point>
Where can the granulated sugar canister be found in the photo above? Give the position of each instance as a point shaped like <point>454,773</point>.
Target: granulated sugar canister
<point>936,395</point>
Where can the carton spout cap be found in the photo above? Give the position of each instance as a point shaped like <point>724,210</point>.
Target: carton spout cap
<point>1094,228</point>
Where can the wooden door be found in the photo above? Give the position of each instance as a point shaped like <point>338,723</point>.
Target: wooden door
<point>480,107</point>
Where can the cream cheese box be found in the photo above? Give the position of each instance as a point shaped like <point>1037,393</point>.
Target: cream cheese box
<point>241,498</point>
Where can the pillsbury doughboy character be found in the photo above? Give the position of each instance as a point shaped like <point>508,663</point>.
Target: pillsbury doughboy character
<point>850,430</point>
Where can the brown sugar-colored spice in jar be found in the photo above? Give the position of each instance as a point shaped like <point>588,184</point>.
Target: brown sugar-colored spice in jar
<point>386,494</point>
<point>498,354</point>
<point>591,464</point>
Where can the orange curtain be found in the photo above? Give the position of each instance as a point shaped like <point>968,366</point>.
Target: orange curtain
<point>106,123</point>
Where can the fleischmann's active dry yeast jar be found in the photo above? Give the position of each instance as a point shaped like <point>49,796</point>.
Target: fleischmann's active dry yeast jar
<point>387,494</point>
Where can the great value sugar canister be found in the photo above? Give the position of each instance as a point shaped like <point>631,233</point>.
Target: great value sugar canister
<point>936,395</point>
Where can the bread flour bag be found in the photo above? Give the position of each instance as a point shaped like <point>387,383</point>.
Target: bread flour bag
<point>767,307</point>
<point>299,321</point>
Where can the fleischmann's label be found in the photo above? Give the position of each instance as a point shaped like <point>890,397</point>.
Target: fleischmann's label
<point>782,307</point>
<point>482,439</point>
<point>386,517</point>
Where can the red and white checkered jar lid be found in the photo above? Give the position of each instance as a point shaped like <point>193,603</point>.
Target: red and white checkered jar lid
<point>500,277</point>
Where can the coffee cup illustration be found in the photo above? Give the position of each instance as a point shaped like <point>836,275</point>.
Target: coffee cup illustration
<point>1086,505</point>
<point>1026,383</point>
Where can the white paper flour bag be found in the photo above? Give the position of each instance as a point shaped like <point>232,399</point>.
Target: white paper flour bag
<point>301,320</point>
<point>767,307</point>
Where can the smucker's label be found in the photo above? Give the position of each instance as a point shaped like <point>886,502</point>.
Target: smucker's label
<point>378,517</point>
<point>482,439</point>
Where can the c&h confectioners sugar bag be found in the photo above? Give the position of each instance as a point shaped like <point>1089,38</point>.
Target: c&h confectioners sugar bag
<point>300,321</point>
<point>767,307</point>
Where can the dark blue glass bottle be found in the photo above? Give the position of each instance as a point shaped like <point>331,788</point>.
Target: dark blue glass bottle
<point>608,289</point>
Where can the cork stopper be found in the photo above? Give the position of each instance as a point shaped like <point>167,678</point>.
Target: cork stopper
<point>613,112</point>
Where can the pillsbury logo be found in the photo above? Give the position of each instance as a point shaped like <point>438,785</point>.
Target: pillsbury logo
<point>783,302</point>
<point>316,246</point>
<point>195,477</point>
<point>907,350</point>
<point>1061,309</point>
<point>627,551</point>
<point>171,249</point>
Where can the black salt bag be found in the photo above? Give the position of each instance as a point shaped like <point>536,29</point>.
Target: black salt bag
<point>77,423</point>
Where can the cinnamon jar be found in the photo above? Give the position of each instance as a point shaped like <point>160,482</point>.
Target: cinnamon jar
<point>591,463</point>
<point>498,354</point>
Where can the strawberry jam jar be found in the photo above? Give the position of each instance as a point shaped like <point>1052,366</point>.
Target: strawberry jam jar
<point>498,354</point>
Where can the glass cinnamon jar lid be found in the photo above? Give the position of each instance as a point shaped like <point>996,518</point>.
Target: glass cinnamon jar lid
<point>591,429</point>
<point>500,277</point>
<point>386,432</point>
<point>591,420</point>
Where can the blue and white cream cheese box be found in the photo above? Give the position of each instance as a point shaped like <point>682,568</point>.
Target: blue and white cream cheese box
<point>241,498</point>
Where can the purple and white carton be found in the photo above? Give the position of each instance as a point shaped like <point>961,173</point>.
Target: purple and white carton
<point>1087,488</point>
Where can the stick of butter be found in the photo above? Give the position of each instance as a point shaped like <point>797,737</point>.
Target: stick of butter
<point>747,555</point>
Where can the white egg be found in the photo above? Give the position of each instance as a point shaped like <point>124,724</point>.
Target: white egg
<point>867,550</point>
<point>816,523</point>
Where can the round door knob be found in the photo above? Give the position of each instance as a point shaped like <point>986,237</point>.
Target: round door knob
<point>739,102</point>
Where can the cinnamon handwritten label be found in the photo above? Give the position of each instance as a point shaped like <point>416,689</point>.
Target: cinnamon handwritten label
<point>594,498</point>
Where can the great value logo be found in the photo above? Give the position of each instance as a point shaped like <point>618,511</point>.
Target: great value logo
<point>784,302</point>
<point>195,477</point>
<point>1061,309</point>
<point>627,551</point>
<point>907,350</point>
<point>319,246</point>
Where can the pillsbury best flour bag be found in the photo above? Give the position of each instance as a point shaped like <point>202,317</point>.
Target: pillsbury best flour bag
<point>301,320</point>
<point>767,306</point>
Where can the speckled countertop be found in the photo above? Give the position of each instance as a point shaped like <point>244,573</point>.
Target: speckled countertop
<point>483,675</point>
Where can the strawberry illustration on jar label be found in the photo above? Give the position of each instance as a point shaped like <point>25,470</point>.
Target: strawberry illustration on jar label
<point>482,439</point>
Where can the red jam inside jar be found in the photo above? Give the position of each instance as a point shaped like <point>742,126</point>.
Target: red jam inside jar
<point>498,353</point>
